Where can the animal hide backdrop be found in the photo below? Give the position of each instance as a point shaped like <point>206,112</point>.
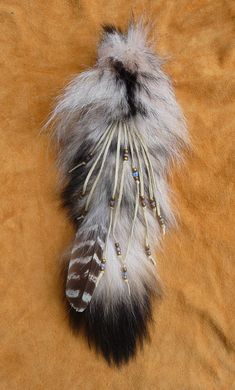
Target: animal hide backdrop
<point>119,129</point>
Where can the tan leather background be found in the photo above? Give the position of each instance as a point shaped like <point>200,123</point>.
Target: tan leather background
<point>193,339</point>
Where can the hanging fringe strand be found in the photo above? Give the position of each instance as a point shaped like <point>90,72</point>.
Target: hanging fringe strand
<point>133,143</point>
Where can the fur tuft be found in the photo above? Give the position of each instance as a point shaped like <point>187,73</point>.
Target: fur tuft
<point>115,333</point>
<point>118,332</point>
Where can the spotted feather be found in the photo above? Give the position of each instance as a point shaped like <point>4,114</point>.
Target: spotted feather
<point>84,268</point>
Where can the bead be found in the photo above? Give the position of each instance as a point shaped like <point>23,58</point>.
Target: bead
<point>102,267</point>
<point>125,154</point>
<point>112,203</point>
<point>118,250</point>
<point>142,200</point>
<point>147,250</point>
<point>88,158</point>
<point>103,261</point>
<point>124,276</point>
<point>152,203</point>
<point>124,268</point>
<point>135,174</point>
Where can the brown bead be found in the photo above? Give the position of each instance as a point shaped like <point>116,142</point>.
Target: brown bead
<point>112,203</point>
<point>117,244</point>
<point>143,203</point>
<point>88,158</point>
<point>148,251</point>
<point>152,203</point>
<point>125,154</point>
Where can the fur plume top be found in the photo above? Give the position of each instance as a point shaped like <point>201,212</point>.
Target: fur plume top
<point>119,127</point>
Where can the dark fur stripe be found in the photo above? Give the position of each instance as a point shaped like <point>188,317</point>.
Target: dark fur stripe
<point>111,29</point>
<point>73,188</point>
<point>130,81</point>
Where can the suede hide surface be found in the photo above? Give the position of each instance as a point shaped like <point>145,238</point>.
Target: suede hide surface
<point>44,43</point>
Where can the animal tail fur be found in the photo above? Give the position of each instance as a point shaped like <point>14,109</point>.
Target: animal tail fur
<point>119,127</point>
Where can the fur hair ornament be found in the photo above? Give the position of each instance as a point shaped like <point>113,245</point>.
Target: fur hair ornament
<point>119,128</point>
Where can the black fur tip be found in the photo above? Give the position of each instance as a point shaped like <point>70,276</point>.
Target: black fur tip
<point>117,333</point>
